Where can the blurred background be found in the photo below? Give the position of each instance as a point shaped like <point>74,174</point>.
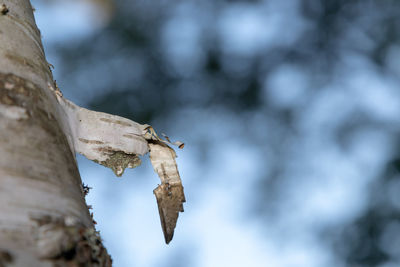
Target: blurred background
<point>290,111</point>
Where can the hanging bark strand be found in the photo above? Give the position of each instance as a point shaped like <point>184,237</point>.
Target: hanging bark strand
<point>116,142</point>
<point>170,199</point>
<point>170,195</point>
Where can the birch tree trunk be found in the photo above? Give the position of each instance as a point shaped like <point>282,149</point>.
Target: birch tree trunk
<point>44,220</point>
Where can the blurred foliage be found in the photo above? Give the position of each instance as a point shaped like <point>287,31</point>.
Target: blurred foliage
<point>373,238</point>
<point>136,71</point>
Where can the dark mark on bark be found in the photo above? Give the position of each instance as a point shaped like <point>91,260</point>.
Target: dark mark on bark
<point>27,63</point>
<point>75,244</point>
<point>122,123</point>
<point>8,100</point>
<point>133,137</point>
<point>108,150</point>
<point>97,142</point>
<point>5,258</point>
<point>4,9</point>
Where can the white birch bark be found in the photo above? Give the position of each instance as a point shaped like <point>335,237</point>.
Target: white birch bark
<point>44,220</point>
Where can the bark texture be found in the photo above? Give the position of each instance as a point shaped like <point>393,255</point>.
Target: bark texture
<point>44,220</point>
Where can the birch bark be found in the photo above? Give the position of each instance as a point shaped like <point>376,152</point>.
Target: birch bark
<point>44,220</point>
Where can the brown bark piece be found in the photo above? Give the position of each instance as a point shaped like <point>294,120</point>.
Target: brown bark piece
<point>170,199</point>
<point>169,194</point>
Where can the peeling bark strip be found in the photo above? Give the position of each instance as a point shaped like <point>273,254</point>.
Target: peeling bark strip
<point>116,143</point>
<point>169,194</point>
<point>110,140</point>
